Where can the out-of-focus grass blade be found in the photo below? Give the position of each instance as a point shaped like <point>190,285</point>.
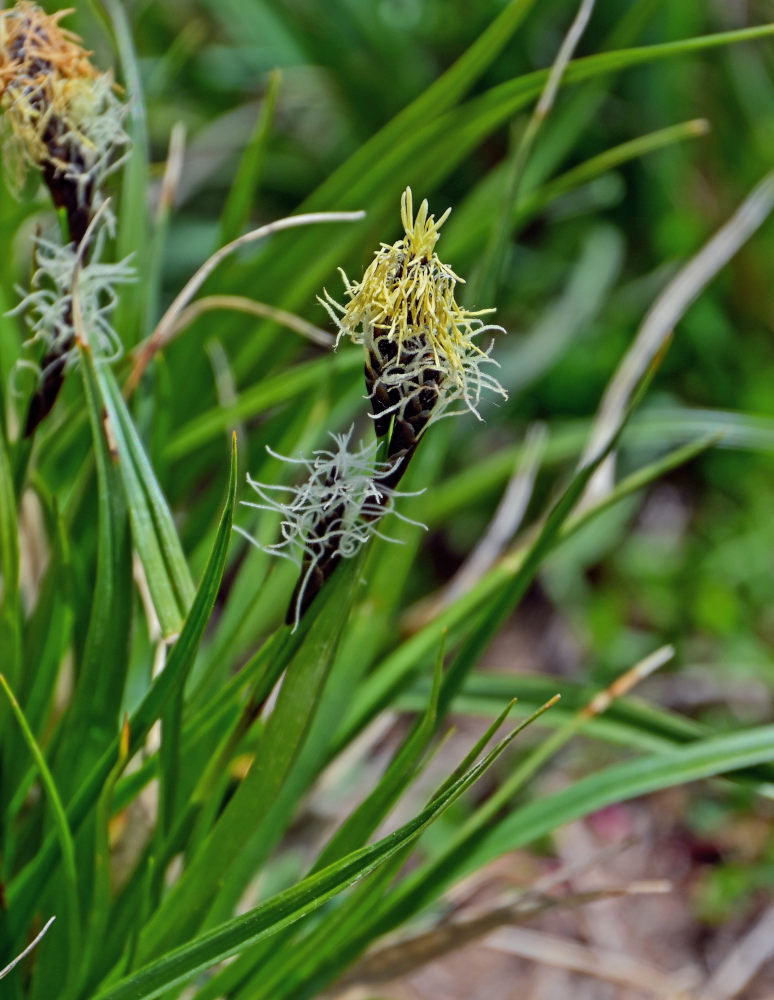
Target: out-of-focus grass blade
<point>651,428</point>
<point>471,226</point>
<point>93,720</point>
<point>10,635</point>
<point>706,758</point>
<point>101,894</point>
<point>338,950</point>
<point>628,722</point>
<point>24,891</point>
<point>9,530</point>
<point>49,627</point>
<point>64,837</point>
<point>358,827</point>
<point>267,393</point>
<point>430,150</point>
<point>242,193</point>
<point>157,249</point>
<point>10,624</point>
<point>572,117</point>
<point>153,530</point>
<point>440,96</point>
<point>181,964</point>
<point>132,229</point>
<point>570,316</point>
<point>488,274</point>
<point>621,782</point>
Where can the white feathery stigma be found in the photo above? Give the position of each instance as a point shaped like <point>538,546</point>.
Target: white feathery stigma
<point>333,512</point>
<point>48,306</point>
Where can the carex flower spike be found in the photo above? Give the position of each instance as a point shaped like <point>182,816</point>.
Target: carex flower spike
<point>47,307</point>
<point>61,116</point>
<point>422,361</point>
<point>329,516</point>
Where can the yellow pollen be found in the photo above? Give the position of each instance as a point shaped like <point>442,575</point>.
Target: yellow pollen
<point>407,291</point>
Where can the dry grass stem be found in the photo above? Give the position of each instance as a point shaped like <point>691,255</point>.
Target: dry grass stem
<point>599,963</point>
<point>662,318</point>
<point>239,303</point>
<point>165,329</point>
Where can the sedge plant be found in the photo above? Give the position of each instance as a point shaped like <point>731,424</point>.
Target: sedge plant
<point>205,564</point>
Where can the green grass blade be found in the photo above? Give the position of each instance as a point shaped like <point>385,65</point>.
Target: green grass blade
<point>132,229</point>
<point>431,150</point>
<point>10,641</point>
<point>242,194</point>
<point>707,758</point>
<point>24,890</point>
<point>230,938</point>
<point>63,835</point>
<point>267,393</point>
<point>358,827</point>
<point>153,530</point>
<point>440,96</point>
<point>337,953</point>
<point>353,833</point>
<point>399,666</point>
<point>48,630</point>
<point>10,610</point>
<point>9,536</point>
<point>478,747</point>
<point>101,900</point>
<point>628,722</point>
<point>245,819</point>
<point>93,721</point>
<point>464,239</point>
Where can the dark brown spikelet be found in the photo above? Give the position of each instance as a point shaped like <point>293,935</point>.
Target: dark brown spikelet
<point>382,352</point>
<point>420,350</point>
<point>330,515</point>
<point>404,386</point>
<point>51,382</point>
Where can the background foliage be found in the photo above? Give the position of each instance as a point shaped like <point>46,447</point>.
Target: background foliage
<point>297,105</point>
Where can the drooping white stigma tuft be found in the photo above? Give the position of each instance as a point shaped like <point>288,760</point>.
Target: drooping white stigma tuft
<point>333,512</point>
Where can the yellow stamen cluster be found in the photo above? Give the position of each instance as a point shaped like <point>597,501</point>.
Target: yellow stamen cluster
<point>408,291</point>
<point>421,354</point>
<point>61,111</point>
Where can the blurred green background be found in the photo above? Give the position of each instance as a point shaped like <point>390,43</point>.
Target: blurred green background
<point>690,562</point>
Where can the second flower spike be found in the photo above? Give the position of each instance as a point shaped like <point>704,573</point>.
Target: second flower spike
<point>329,516</point>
